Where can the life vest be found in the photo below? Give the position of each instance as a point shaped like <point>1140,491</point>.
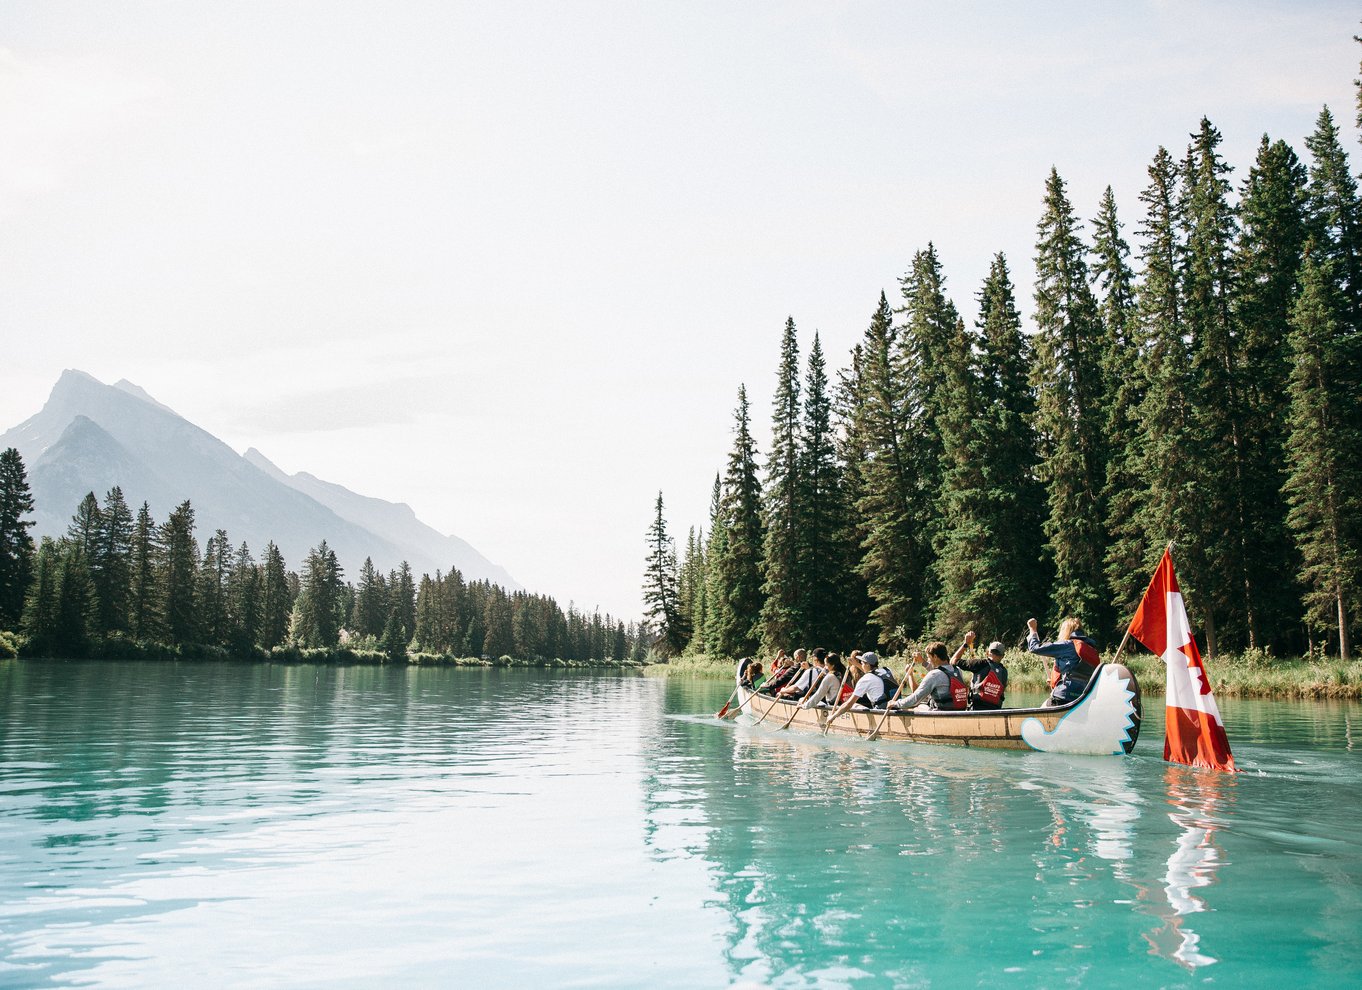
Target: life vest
<point>990,690</point>
<point>953,696</point>
<point>1082,663</point>
<point>891,686</point>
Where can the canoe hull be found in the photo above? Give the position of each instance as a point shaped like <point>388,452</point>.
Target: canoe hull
<point>1104,721</point>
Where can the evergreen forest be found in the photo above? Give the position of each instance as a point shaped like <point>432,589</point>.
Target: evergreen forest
<point>1196,381</point>
<point>120,584</point>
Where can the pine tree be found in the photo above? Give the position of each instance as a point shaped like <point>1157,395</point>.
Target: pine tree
<point>1167,427</point>
<point>111,564</point>
<point>1067,378</point>
<point>708,634</point>
<point>690,584</point>
<point>83,530</point>
<point>394,642</point>
<point>737,602</point>
<point>1011,513</point>
<point>893,562</point>
<point>1214,560</point>
<point>369,616</point>
<point>16,545</point>
<point>926,358</point>
<point>1324,481</point>
<point>967,593</point>
<point>1267,260</point>
<point>781,621</point>
<point>851,457</point>
<point>276,600</point>
<point>1123,489</point>
<point>404,598</point>
<point>210,590</point>
<point>76,605</point>
<point>40,603</point>
<point>499,640</point>
<point>243,603</point>
<point>145,607</point>
<point>319,603</point>
<point>661,597</point>
<point>824,560</point>
<point>178,565</point>
<point>1335,215</point>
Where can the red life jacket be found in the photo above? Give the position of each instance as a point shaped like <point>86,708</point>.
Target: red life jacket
<point>954,697</point>
<point>1087,653</point>
<point>991,688</point>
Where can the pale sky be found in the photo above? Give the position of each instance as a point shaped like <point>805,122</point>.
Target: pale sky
<point>509,262</point>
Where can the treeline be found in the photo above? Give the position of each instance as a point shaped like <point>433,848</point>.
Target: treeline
<point>122,583</point>
<point>1203,388</point>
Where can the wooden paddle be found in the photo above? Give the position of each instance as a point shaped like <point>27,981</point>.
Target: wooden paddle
<point>774,697</point>
<point>724,710</point>
<point>907,679</point>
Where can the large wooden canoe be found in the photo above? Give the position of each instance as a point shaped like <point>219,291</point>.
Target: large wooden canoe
<point>1104,721</point>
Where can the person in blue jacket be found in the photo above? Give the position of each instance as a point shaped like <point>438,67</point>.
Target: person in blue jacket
<point>1075,657</point>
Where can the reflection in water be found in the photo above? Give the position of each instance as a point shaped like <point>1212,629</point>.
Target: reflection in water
<point>1196,798</point>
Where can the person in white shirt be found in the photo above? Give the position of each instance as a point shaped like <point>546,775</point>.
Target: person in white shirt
<point>827,689</point>
<point>871,691</point>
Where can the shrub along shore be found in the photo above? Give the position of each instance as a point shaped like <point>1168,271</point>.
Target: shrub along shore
<point>1240,675</point>
<point>12,647</point>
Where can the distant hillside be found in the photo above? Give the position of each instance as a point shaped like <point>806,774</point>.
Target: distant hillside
<point>90,436</point>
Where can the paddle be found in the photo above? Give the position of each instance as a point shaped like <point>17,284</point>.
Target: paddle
<point>774,697</point>
<point>828,722</point>
<point>724,710</point>
<point>907,679</point>
<point>799,703</point>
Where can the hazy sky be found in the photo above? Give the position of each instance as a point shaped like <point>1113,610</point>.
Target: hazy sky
<point>509,262</point>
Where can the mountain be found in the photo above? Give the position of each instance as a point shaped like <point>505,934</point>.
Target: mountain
<point>90,436</point>
<point>394,521</point>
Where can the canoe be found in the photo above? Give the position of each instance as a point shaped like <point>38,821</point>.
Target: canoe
<point>1103,721</point>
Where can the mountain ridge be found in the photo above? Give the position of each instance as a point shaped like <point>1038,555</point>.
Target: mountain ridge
<point>90,436</point>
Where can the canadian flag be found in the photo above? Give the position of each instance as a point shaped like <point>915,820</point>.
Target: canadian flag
<point>1195,734</point>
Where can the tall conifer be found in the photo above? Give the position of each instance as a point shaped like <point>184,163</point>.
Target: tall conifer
<point>825,560</point>
<point>782,623</point>
<point>1067,377</point>
<point>893,561</point>
<point>738,603</point>
<point>1214,560</point>
<point>661,595</point>
<point>1267,259</point>
<point>179,563</point>
<point>1167,432</point>
<point>1323,480</point>
<point>111,564</point>
<point>16,545</point>
<point>145,607</point>
<point>276,599</point>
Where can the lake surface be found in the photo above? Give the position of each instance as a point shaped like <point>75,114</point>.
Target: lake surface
<point>176,825</point>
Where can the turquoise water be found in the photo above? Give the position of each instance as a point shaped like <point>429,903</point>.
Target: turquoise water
<point>258,826</point>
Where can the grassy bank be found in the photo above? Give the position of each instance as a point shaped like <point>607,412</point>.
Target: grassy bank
<point>1252,674</point>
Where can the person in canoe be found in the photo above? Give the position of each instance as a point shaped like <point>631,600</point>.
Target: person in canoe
<point>873,689</point>
<point>1075,657</point>
<point>988,676</point>
<point>942,689</point>
<point>828,686</point>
